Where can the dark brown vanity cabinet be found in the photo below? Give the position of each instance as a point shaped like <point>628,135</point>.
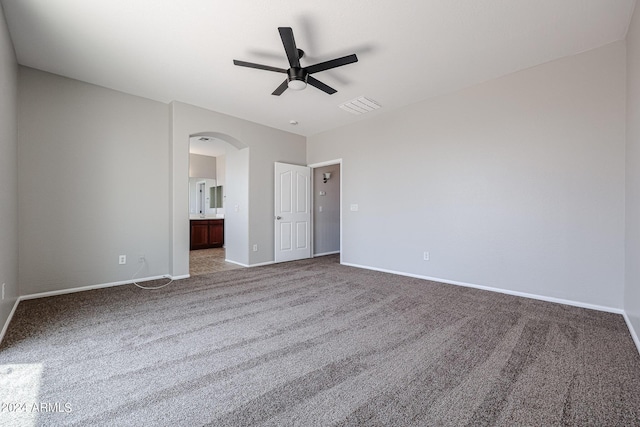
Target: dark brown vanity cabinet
<point>207,233</point>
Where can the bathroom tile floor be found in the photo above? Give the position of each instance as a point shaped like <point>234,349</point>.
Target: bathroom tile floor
<point>205,261</point>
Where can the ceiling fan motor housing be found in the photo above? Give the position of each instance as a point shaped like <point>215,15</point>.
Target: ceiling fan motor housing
<point>297,78</point>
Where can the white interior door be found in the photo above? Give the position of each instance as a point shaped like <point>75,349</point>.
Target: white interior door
<point>292,212</point>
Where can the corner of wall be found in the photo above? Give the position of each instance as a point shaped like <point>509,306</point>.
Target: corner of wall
<point>8,176</point>
<point>631,297</point>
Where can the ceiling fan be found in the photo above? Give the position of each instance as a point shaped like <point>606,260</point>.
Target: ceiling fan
<point>298,76</point>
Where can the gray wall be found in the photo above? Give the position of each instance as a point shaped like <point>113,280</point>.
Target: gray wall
<point>202,166</point>
<point>93,174</point>
<point>517,183</point>
<point>236,223</point>
<point>632,286</point>
<point>221,170</point>
<point>221,179</point>
<point>8,172</point>
<point>326,223</point>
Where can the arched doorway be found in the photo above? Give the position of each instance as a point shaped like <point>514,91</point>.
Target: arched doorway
<point>236,219</point>
<point>187,122</point>
<point>212,187</point>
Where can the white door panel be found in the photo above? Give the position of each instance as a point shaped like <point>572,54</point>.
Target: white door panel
<point>292,210</point>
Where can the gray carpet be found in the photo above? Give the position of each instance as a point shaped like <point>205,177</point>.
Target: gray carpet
<point>314,343</point>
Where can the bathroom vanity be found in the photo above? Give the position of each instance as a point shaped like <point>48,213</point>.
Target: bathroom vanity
<point>206,233</point>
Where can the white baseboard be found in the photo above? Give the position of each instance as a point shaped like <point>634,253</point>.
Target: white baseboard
<point>502,291</point>
<point>249,265</point>
<point>92,287</point>
<point>6,324</point>
<point>634,335</point>
<point>326,253</point>
<point>260,264</point>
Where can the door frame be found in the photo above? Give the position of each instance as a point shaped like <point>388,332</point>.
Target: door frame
<point>313,166</point>
<point>201,202</point>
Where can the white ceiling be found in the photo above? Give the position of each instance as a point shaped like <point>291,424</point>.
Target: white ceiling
<point>207,146</point>
<point>408,50</point>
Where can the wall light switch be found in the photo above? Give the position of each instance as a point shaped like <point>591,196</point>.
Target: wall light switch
<point>354,207</point>
<point>319,208</point>
<point>323,193</point>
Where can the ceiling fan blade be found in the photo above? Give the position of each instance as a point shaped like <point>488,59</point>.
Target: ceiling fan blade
<point>289,43</point>
<point>258,66</point>
<point>281,88</point>
<point>318,84</point>
<point>327,65</point>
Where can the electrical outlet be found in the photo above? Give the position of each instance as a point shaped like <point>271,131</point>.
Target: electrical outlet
<point>122,259</point>
<point>3,290</point>
<point>425,256</point>
<point>255,248</point>
<point>141,259</point>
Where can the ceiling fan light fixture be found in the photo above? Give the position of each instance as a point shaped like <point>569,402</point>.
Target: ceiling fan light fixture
<point>297,84</point>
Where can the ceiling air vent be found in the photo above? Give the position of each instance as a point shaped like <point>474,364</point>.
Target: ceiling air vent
<point>359,105</point>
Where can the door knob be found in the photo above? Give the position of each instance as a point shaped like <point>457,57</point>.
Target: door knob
<point>278,217</point>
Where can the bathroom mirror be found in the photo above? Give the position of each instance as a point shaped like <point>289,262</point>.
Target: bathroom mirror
<point>205,196</point>
<point>215,197</point>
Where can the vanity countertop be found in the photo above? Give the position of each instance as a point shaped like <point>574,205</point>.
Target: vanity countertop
<point>196,217</point>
